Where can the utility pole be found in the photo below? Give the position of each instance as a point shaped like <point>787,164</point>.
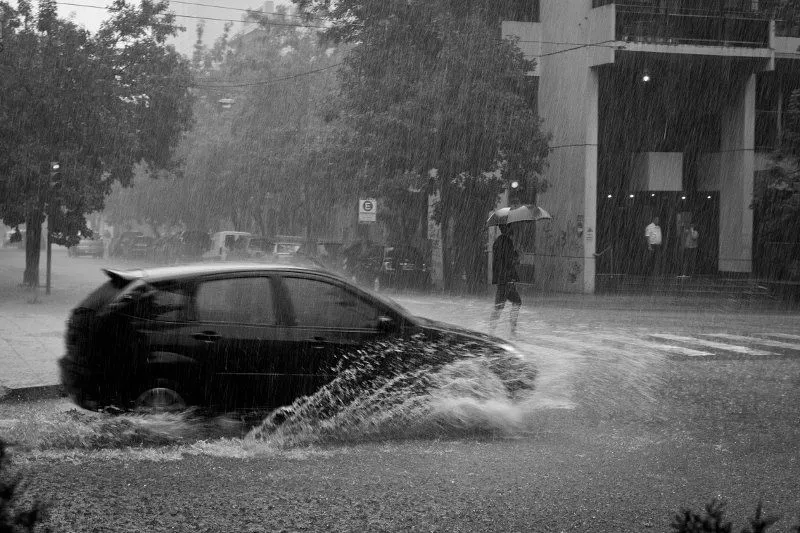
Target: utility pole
<point>55,168</point>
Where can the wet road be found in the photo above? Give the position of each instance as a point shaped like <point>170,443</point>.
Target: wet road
<point>641,408</point>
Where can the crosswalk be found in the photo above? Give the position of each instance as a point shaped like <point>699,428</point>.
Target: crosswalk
<point>717,345</point>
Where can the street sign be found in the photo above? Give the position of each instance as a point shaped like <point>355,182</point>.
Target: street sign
<point>367,210</point>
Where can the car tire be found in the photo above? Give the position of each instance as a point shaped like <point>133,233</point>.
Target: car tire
<point>160,396</point>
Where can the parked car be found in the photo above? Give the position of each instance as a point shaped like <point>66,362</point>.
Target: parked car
<point>362,262</point>
<point>260,246</point>
<point>141,248</point>
<point>404,267</point>
<point>225,244</point>
<point>120,246</point>
<point>169,337</point>
<point>167,249</point>
<point>87,246</point>
<point>194,244</point>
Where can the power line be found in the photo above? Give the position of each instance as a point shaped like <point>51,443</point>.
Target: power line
<point>240,9</point>
<point>576,48</point>
<point>262,82</point>
<point>195,17</point>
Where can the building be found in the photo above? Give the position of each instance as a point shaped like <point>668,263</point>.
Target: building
<point>657,108</point>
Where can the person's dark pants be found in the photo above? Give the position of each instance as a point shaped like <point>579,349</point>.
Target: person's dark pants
<point>506,292</point>
<point>653,264</point>
<point>690,261</point>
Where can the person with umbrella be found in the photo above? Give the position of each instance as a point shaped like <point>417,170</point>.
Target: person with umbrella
<point>505,259</point>
<point>504,274</point>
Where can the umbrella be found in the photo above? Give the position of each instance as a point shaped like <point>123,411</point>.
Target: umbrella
<point>507,215</point>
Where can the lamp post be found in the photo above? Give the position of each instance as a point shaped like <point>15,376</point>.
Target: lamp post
<point>55,171</point>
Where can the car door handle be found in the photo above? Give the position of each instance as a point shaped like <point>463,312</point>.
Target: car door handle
<point>207,336</point>
<point>319,343</point>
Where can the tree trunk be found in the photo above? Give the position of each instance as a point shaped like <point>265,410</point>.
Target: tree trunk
<point>33,241</point>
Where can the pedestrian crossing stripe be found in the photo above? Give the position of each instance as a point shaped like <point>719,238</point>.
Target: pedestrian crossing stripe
<point>762,342</point>
<point>780,336</point>
<point>680,350</point>
<point>744,350</point>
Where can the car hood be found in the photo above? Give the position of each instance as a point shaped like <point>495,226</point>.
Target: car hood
<point>466,333</point>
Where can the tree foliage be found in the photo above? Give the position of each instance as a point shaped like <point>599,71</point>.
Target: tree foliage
<point>97,104</point>
<point>265,160</point>
<point>430,85</point>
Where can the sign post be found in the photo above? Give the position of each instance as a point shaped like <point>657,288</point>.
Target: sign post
<point>367,211</point>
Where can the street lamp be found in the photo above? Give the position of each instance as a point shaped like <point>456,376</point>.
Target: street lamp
<point>55,172</point>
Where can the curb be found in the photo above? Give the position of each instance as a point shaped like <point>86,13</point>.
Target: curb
<point>30,394</point>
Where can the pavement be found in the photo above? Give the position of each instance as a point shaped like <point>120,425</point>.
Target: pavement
<point>32,323</point>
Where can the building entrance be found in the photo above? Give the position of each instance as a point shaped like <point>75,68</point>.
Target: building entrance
<point>621,223</point>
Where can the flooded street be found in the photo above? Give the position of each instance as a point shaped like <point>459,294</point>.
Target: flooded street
<point>634,415</point>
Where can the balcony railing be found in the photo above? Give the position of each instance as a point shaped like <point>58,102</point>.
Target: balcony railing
<point>714,23</point>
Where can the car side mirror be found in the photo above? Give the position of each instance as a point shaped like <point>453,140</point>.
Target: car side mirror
<point>386,325</point>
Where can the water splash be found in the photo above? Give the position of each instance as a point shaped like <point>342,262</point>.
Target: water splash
<point>410,389</point>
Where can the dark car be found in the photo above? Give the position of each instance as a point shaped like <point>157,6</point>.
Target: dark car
<point>121,246</point>
<point>194,244</point>
<point>404,267</point>
<point>229,336</point>
<point>86,246</point>
<point>141,248</point>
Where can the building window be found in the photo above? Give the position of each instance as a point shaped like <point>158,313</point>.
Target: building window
<point>520,11</point>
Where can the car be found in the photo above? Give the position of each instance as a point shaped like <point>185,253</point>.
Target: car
<point>87,246</point>
<point>259,246</point>
<point>120,246</point>
<point>229,336</point>
<point>228,244</point>
<point>194,243</point>
<point>404,267</point>
<point>141,248</point>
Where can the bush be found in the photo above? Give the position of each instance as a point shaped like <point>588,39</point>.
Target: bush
<point>712,521</point>
<point>14,517</point>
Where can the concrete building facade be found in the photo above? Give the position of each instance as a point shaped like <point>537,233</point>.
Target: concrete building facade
<point>653,107</point>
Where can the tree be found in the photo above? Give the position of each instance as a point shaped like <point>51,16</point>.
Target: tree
<point>270,156</point>
<point>430,85</point>
<point>97,104</point>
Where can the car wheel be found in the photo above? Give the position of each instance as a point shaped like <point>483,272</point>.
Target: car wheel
<point>161,397</point>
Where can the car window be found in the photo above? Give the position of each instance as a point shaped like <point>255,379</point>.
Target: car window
<point>236,300</point>
<point>165,304</point>
<point>322,304</point>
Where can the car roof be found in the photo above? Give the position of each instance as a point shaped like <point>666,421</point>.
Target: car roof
<point>203,269</point>
<point>188,272</point>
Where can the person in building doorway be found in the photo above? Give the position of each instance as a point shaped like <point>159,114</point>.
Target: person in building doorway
<point>652,234</point>
<point>504,274</point>
<point>690,238</point>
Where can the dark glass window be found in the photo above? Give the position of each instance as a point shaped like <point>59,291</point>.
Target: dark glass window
<point>236,300</point>
<point>168,304</point>
<point>325,305</point>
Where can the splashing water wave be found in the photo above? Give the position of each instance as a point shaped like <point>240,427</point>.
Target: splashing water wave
<point>410,389</point>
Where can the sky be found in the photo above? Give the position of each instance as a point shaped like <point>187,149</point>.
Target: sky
<point>189,13</point>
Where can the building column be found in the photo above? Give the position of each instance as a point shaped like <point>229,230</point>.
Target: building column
<point>591,112</point>
<point>736,180</point>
